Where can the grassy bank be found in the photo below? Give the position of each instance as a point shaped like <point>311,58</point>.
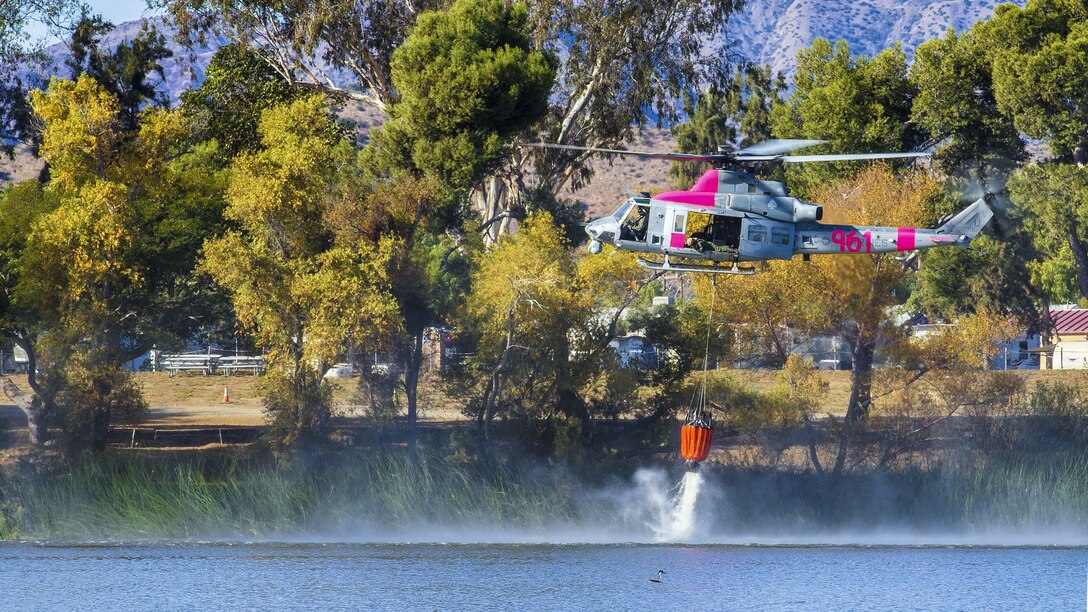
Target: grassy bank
<point>389,495</point>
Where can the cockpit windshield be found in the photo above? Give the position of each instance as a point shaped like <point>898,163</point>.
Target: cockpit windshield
<point>623,210</point>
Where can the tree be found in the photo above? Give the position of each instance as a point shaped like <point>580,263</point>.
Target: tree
<point>1039,82</point>
<point>20,207</point>
<point>301,296</point>
<point>238,86</point>
<point>738,115</point>
<point>522,305</point>
<point>621,66</point>
<point>849,295</point>
<point>956,103</point>
<point>101,264</point>
<point>23,63</point>
<point>772,307</point>
<point>537,317</point>
<point>124,70</point>
<point>468,80</point>
<point>857,104</point>
<point>1056,193</point>
<point>311,44</point>
<point>79,273</point>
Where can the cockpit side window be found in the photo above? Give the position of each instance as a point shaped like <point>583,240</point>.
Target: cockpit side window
<point>623,210</point>
<point>633,227</point>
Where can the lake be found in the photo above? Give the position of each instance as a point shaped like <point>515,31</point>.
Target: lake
<point>321,576</point>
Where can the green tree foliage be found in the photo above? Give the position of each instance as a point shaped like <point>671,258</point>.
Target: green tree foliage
<point>617,61</point>
<point>956,104</point>
<point>238,86</point>
<point>311,44</point>
<point>301,296</point>
<point>1056,193</point>
<point>1039,71</point>
<point>1038,67</point>
<point>123,71</point>
<point>21,316</point>
<point>857,104</point>
<point>737,115</point>
<point>468,80</point>
<point>956,101</point>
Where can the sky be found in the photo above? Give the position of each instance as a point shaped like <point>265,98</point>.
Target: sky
<point>120,11</point>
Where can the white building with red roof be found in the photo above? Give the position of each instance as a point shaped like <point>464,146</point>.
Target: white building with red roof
<point>1069,350</point>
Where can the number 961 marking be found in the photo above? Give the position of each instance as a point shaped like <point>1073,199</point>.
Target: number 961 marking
<point>851,242</point>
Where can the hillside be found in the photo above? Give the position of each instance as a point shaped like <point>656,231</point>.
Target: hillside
<point>773,31</point>
<point>766,31</point>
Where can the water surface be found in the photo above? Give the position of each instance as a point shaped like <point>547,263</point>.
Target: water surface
<point>538,576</point>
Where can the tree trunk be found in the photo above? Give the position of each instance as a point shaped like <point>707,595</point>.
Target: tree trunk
<point>411,383</point>
<point>494,384</point>
<point>861,392</point>
<point>44,404</point>
<point>1080,259</point>
<point>35,416</point>
<point>813,456</point>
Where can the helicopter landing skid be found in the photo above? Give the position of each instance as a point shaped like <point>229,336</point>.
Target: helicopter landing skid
<point>667,266</point>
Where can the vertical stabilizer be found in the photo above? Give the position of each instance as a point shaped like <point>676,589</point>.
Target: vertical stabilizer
<point>969,222</point>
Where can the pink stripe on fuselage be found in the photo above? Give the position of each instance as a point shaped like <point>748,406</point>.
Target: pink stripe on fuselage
<point>707,183</point>
<point>677,240</point>
<point>687,197</point>
<point>904,241</point>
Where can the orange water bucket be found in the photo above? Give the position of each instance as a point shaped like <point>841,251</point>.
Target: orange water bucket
<point>695,442</point>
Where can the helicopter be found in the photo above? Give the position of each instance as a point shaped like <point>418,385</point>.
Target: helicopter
<point>729,217</point>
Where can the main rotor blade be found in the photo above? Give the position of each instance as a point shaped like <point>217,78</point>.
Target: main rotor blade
<point>683,157</point>
<point>843,157</point>
<point>775,147</point>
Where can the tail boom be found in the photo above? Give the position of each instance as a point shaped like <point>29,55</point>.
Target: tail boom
<point>958,231</point>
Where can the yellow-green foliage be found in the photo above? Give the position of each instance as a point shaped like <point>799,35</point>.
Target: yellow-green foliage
<point>529,279</point>
<point>299,295</point>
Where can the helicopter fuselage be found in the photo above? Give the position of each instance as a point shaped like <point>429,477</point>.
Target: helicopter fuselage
<point>730,216</point>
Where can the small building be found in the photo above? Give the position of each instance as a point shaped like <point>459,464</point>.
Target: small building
<point>635,352</point>
<point>1020,353</point>
<point>1069,350</point>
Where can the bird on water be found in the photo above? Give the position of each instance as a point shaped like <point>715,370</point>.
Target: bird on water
<point>659,579</point>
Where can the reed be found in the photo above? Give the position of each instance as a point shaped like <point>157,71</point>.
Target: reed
<point>395,494</point>
<point>153,498</point>
<point>1027,491</point>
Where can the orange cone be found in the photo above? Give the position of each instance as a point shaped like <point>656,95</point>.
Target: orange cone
<point>226,396</point>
